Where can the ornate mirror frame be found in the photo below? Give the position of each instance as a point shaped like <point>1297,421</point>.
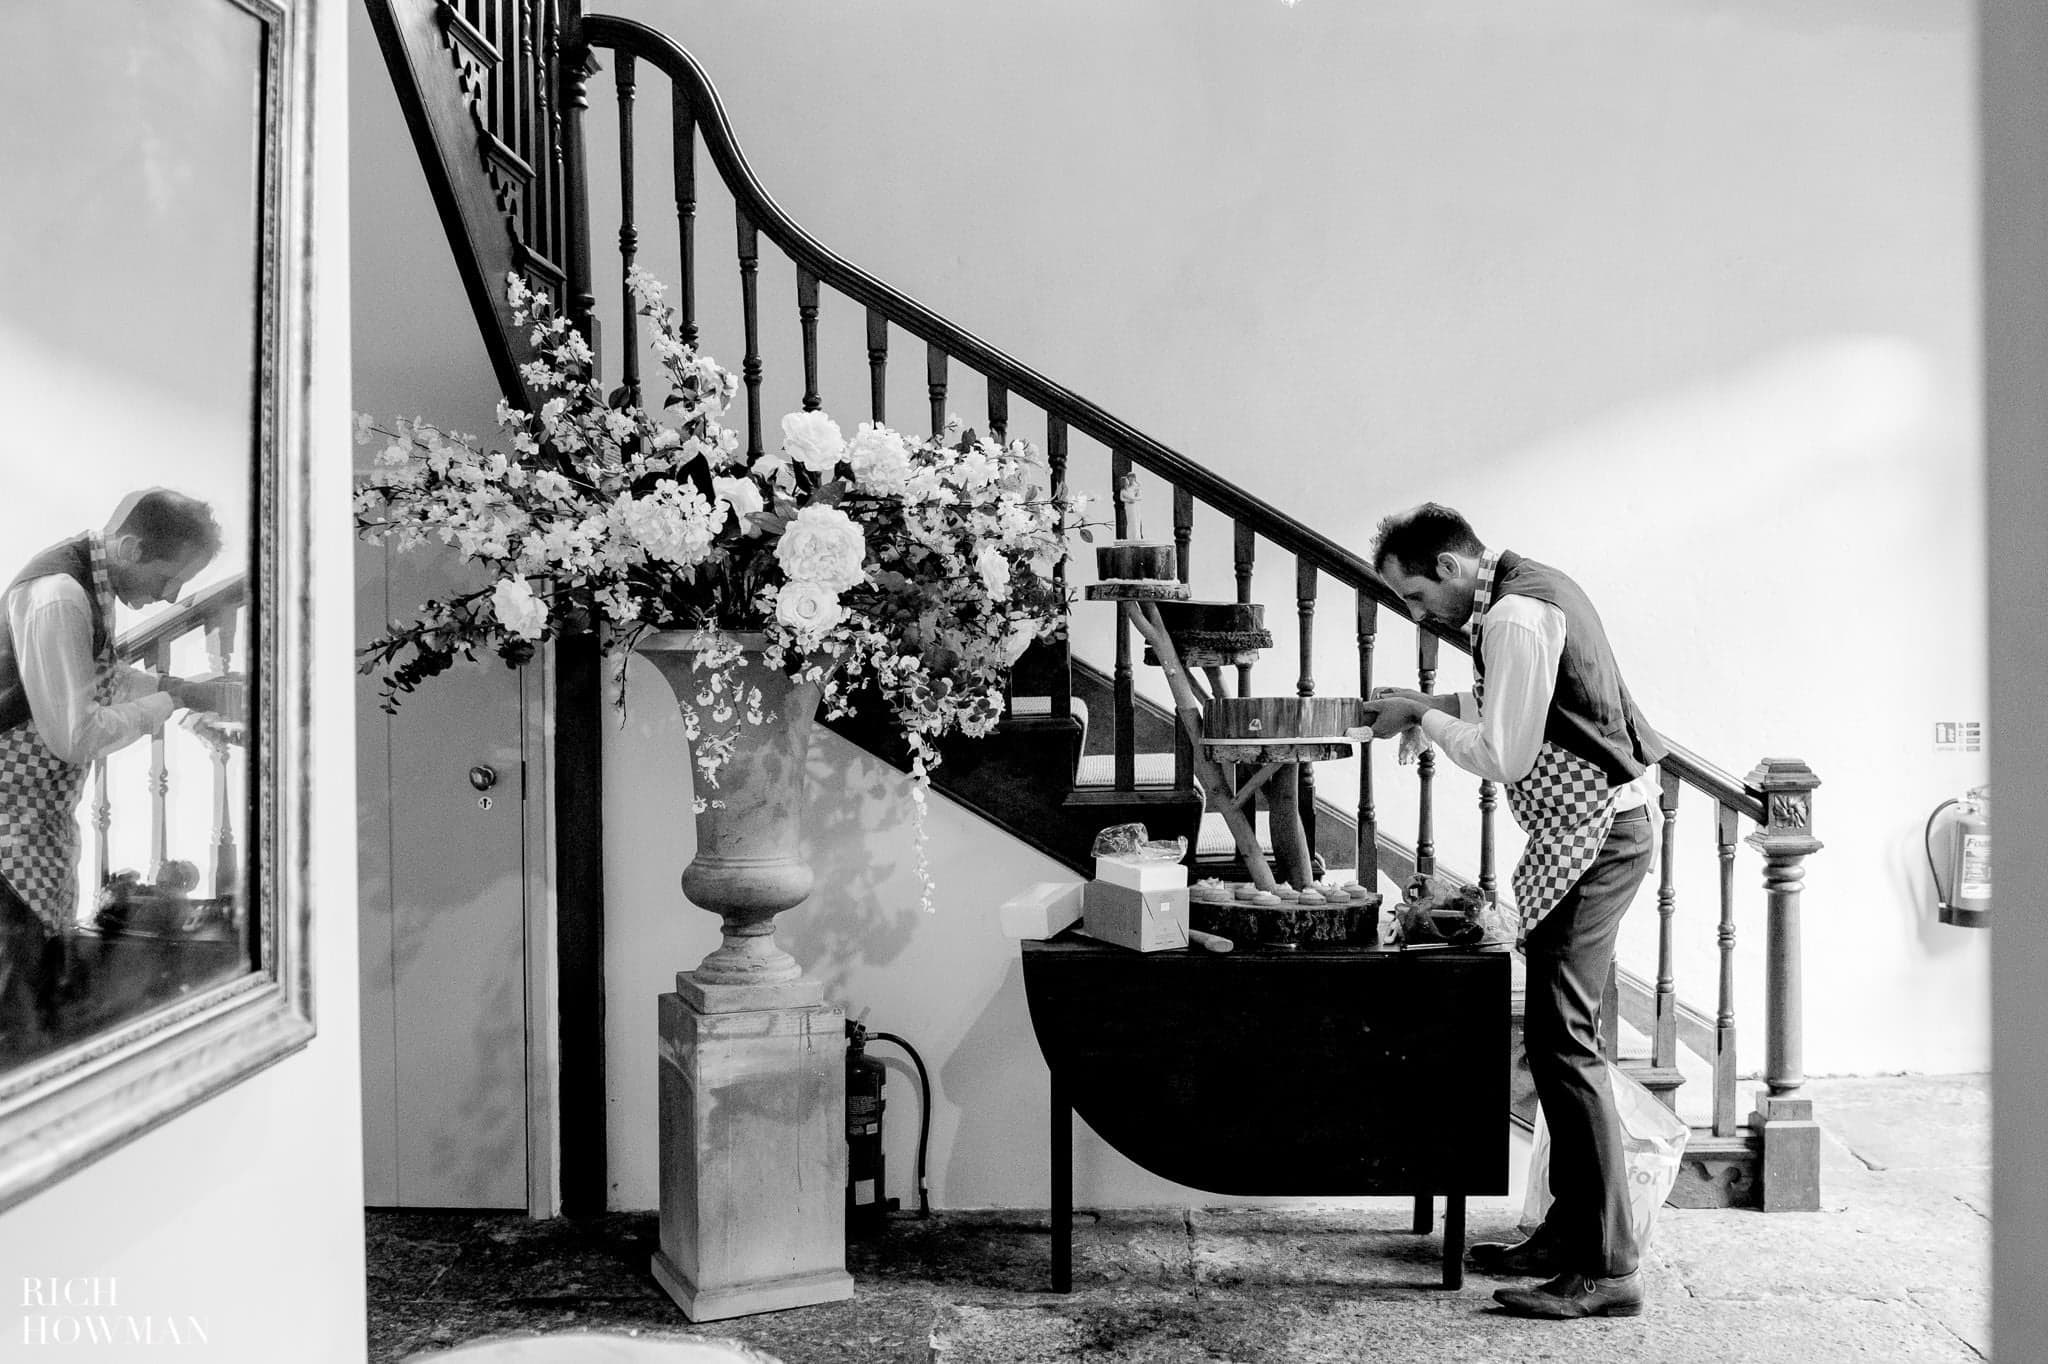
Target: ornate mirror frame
<point>60,1112</point>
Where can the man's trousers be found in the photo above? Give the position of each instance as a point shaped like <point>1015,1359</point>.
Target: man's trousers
<point>1569,952</point>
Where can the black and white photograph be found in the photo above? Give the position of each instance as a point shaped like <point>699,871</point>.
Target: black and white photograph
<point>1021,681</point>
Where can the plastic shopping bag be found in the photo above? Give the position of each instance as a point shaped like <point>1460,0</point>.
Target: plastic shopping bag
<point>1653,1144</point>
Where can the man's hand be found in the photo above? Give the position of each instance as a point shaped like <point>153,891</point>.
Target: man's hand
<point>217,693</point>
<point>1447,704</point>
<point>1389,715</point>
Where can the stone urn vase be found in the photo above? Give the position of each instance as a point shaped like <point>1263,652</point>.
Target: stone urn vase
<point>749,866</point>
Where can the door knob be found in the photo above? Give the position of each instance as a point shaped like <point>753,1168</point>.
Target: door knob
<point>483,778</point>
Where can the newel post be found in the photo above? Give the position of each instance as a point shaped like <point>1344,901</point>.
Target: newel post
<point>1789,1173</point>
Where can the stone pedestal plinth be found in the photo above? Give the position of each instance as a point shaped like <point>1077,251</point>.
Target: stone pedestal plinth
<point>753,1158</point>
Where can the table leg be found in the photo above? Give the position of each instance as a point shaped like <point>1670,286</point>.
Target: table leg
<point>1425,1214</point>
<point>1062,1147</point>
<point>1454,1241</point>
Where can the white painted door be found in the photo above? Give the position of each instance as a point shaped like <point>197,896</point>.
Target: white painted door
<point>442,921</point>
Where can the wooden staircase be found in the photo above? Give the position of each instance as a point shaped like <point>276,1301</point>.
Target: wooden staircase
<point>497,93</point>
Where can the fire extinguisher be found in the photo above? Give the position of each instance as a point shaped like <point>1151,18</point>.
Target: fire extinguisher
<point>1964,893</point>
<point>867,1206</point>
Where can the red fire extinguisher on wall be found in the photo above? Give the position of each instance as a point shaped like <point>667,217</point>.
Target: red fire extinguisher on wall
<point>1963,885</point>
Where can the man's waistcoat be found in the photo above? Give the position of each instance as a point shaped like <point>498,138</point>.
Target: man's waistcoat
<point>1591,713</point>
<point>71,559</point>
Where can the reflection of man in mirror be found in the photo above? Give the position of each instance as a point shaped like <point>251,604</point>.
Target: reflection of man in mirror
<point>64,702</point>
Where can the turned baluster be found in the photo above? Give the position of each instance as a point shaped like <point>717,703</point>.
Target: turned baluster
<point>1425,766</point>
<point>1056,463</point>
<point>102,821</point>
<point>1183,539</point>
<point>223,878</point>
<point>1368,823</point>
<point>686,212</point>
<point>1489,876</point>
<point>878,366</point>
<point>935,385</point>
<point>1664,1031</point>
<point>578,69</point>
<point>629,234</point>
<point>1125,698</point>
<point>1726,820</point>
<point>998,412</point>
<point>1183,530</point>
<point>1244,548</point>
<point>550,212</point>
<point>807,323</point>
<point>750,363</point>
<point>159,782</point>
<point>1305,686</point>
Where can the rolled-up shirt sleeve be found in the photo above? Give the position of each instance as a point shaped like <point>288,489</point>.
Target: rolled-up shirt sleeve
<point>52,627</point>
<point>1523,642</point>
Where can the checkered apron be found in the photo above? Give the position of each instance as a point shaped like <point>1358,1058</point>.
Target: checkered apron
<point>1564,804</point>
<point>39,794</point>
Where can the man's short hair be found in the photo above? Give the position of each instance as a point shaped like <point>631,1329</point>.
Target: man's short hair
<point>1415,537</point>
<point>170,526</point>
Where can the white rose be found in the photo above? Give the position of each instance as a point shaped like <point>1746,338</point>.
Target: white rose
<point>517,609</point>
<point>743,495</point>
<point>813,440</point>
<point>823,545</point>
<point>880,460</point>
<point>773,469</point>
<point>995,572</point>
<point>810,609</point>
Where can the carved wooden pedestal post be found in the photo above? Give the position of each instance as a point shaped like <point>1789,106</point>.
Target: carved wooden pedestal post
<point>1789,1173</point>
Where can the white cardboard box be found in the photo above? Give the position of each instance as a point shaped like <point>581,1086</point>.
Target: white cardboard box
<point>1043,909</point>
<point>1141,874</point>
<point>1143,920</point>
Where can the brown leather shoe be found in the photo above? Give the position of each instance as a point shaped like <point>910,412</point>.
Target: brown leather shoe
<point>1570,1296</point>
<point>1535,1256</point>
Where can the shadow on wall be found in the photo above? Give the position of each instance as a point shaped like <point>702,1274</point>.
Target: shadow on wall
<point>995,1083</point>
<point>859,914</point>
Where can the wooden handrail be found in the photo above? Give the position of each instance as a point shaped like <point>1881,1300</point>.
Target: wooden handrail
<point>188,615</point>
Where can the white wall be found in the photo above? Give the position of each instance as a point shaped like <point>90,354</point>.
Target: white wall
<point>1681,300</point>
<point>246,1212</point>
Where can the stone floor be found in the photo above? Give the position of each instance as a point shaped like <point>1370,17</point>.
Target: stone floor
<point>1894,1268</point>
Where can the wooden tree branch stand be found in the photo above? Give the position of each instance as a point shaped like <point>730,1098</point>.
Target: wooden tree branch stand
<point>1143,614</point>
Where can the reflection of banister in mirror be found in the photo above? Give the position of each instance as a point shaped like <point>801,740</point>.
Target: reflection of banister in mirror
<point>214,611</point>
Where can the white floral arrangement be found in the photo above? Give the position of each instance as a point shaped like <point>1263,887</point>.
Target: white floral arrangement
<point>913,569</point>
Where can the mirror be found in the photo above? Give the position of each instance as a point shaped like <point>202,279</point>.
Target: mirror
<point>152,944</point>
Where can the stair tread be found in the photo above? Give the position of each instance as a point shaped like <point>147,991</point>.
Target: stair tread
<point>1099,769</point>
